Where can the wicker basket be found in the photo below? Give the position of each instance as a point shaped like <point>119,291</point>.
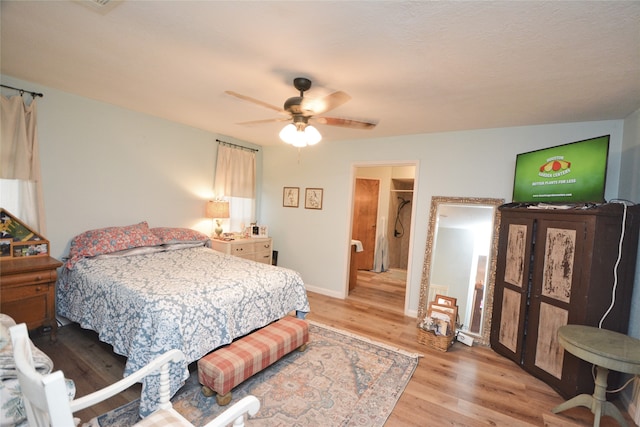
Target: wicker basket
<point>437,342</point>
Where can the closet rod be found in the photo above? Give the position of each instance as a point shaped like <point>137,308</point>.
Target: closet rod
<point>33,94</point>
<point>237,146</point>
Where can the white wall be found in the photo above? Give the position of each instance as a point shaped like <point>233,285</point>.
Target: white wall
<point>474,163</point>
<point>103,165</point>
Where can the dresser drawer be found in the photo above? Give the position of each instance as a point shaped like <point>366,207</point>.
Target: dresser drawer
<point>34,309</point>
<point>28,291</point>
<point>33,277</point>
<point>258,249</point>
<point>244,248</point>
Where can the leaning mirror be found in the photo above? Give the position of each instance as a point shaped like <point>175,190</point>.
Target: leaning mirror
<point>460,258</point>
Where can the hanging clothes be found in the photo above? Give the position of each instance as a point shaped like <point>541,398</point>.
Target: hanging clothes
<point>381,257</point>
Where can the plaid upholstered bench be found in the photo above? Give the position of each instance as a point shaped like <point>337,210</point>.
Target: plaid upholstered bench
<point>226,367</point>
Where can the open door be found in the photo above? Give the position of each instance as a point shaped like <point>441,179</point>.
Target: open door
<point>365,219</point>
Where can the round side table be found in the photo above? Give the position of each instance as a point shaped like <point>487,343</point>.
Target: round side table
<point>606,350</point>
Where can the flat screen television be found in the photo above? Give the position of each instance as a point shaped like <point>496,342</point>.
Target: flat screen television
<point>569,173</point>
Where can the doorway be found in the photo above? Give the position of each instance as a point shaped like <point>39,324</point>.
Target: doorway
<point>381,224</point>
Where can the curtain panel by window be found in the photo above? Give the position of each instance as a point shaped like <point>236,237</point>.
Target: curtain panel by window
<point>20,162</point>
<point>235,179</point>
<point>235,173</point>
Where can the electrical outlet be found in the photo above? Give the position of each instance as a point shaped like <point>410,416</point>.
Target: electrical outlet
<point>465,339</point>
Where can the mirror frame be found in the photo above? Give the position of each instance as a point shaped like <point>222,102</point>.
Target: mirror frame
<point>436,201</point>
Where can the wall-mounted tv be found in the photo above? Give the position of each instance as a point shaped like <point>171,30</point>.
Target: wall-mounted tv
<point>568,173</point>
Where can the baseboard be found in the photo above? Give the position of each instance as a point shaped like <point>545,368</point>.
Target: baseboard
<point>323,291</point>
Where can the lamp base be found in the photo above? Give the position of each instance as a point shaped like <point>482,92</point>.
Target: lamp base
<point>218,229</point>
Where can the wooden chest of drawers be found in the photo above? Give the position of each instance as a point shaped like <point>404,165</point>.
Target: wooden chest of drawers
<point>256,248</point>
<point>28,290</point>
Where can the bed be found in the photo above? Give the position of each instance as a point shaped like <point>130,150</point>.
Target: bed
<point>148,290</point>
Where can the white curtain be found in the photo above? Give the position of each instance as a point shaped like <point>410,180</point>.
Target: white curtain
<point>235,180</point>
<point>20,179</point>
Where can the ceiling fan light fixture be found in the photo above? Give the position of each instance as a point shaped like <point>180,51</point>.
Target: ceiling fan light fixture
<point>300,136</point>
<point>312,134</point>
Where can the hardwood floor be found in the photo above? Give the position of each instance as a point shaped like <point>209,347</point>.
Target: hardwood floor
<point>465,386</point>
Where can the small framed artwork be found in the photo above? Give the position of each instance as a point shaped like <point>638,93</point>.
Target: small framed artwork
<point>5,247</point>
<point>290,197</point>
<point>445,300</point>
<point>313,198</point>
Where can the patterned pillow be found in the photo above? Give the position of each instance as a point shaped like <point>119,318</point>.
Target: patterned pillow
<point>111,239</point>
<point>170,235</point>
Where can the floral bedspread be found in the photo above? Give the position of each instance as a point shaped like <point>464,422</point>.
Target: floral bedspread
<point>193,299</point>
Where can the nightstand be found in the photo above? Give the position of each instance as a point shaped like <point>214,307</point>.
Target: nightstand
<point>28,291</point>
<point>256,248</point>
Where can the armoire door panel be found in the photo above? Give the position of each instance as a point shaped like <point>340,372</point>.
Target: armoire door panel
<point>512,288</point>
<point>555,281</point>
<point>510,314</point>
<point>549,353</point>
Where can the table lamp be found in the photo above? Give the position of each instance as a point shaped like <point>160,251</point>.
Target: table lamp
<point>218,210</point>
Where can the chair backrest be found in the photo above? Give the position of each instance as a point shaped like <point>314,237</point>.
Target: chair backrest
<point>45,396</point>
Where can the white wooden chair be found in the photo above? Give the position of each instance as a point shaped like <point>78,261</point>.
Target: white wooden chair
<point>47,403</point>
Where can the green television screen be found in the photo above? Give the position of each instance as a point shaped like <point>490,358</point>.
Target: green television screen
<point>569,173</point>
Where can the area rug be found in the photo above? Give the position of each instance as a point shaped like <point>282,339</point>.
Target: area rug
<point>340,380</point>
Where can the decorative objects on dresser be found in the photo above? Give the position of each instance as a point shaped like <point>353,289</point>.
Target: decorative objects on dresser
<point>27,275</point>
<point>18,240</point>
<point>256,248</point>
<point>558,267</point>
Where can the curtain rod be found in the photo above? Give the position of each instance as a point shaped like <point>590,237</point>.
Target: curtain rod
<point>22,91</point>
<point>237,146</point>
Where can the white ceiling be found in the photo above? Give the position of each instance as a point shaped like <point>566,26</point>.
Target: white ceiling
<point>417,67</point>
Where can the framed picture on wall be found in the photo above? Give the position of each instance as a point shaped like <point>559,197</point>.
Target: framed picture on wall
<point>313,198</point>
<point>290,197</point>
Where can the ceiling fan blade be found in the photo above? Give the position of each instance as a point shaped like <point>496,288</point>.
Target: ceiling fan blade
<point>255,101</point>
<point>322,105</point>
<point>348,123</point>
<point>260,122</point>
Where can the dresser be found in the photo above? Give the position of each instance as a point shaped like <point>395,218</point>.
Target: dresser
<point>256,248</point>
<point>28,290</point>
<point>556,267</point>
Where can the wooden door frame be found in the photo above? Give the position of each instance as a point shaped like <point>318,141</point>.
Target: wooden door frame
<point>352,185</point>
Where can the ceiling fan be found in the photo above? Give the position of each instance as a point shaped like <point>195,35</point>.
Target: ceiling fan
<point>301,110</point>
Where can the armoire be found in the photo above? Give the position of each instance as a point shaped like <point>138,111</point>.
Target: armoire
<point>561,266</point>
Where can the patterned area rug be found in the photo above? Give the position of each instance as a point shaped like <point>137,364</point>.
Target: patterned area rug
<point>340,380</point>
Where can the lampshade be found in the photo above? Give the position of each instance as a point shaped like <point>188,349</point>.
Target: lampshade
<point>300,135</point>
<point>217,209</point>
